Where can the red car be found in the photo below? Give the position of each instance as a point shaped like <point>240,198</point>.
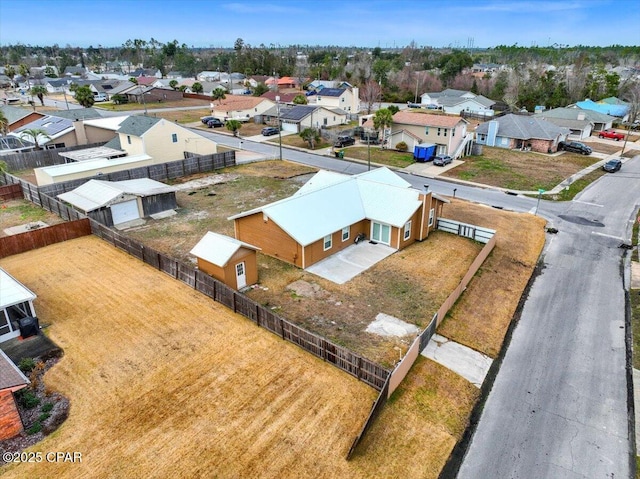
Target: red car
<point>612,134</point>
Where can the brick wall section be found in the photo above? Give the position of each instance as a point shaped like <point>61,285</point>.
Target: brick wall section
<point>10,422</point>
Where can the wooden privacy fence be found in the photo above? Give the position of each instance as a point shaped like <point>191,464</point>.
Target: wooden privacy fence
<point>401,370</point>
<point>10,192</point>
<point>39,158</point>
<point>16,244</point>
<point>365,370</point>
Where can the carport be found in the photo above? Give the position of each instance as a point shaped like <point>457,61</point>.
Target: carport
<point>351,261</point>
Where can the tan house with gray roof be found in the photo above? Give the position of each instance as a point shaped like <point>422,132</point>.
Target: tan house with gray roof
<point>447,132</point>
<point>240,107</point>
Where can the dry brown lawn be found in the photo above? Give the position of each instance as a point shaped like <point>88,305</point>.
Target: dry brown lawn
<point>165,383</point>
<point>482,315</point>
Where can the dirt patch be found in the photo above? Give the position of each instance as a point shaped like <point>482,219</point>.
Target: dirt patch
<point>305,289</point>
<point>22,212</point>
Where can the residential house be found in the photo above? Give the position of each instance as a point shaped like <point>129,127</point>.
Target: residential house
<point>18,117</point>
<point>11,380</point>
<point>57,85</point>
<point>113,203</point>
<point>455,102</point>
<point>240,107</point>
<point>580,122</point>
<point>332,209</point>
<point>76,71</point>
<point>449,133</point>
<point>145,140</point>
<point>295,118</point>
<point>284,97</point>
<point>59,132</point>
<point>520,132</point>
<point>346,99</point>
<point>145,72</point>
<point>229,260</point>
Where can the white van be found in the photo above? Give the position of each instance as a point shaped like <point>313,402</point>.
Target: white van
<point>99,97</point>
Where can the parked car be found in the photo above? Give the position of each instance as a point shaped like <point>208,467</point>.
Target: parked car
<point>612,165</point>
<point>270,130</point>
<point>442,160</point>
<point>215,123</point>
<point>575,146</point>
<point>99,97</point>
<point>206,119</point>
<point>343,141</point>
<point>612,134</point>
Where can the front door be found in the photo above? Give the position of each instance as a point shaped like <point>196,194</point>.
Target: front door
<point>381,233</point>
<point>241,276</point>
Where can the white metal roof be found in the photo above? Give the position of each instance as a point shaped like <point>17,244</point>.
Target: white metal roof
<point>108,123</point>
<point>95,194</point>
<point>330,201</point>
<point>91,153</point>
<point>95,165</point>
<point>218,249</point>
<point>12,292</point>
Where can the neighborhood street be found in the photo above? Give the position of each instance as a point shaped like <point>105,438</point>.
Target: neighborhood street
<point>558,407</point>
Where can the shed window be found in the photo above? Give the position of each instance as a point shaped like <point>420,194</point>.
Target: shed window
<point>407,230</point>
<point>327,242</point>
<point>432,214</point>
<point>426,130</point>
<point>174,137</point>
<point>345,233</point>
<point>453,132</point>
<point>129,139</point>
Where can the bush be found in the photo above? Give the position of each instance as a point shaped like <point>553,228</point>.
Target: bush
<point>402,146</point>
<point>46,407</point>
<point>43,417</point>
<point>35,428</point>
<point>26,365</point>
<point>27,398</point>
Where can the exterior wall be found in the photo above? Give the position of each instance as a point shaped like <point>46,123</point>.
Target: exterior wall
<point>224,112</point>
<point>250,259</point>
<point>98,135</point>
<point>216,271</point>
<point>158,142</point>
<point>132,144</point>
<point>318,119</point>
<point>269,237</point>
<point>25,121</point>
<point>158,203</point>
<point>446,142</point>
<point>469,106</point>
<point>315,251</point>
<point>10,422</point>
<point>163,94</point>
<point>416,223</point>
<point>42,178</point>
<point>349,101</point>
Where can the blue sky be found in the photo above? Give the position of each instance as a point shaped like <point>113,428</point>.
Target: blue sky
<point>367,23</point>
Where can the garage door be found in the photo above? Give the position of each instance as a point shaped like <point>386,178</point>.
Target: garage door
<point>293,127</point>
<point>125,211</point>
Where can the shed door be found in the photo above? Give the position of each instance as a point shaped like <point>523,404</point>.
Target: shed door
<point>241,276</point>
<point>125,211</point>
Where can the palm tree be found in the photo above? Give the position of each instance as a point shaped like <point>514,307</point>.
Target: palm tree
<point>33,135</point>
<point>234,126</point>
<point>39,91</point>
<point>4,124</point>
<point>218,94</point>
<point>383,119</point>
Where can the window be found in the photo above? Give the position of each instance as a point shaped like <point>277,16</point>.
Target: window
<point>345,233</point>
<point>407,230</point>
<point>174,137</point>
<point>129,139</point>
<point>453,132</point>
<point>327,242</point>
<point>445,132</point>
<point>426,130</point>
<point>482,137</point>
<point>439,131</point>
<point>432,213</point>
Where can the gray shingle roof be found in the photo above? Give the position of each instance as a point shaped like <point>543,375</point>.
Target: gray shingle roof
<point>524,128</point>
<point>79,114</point>
<point>14,113</point>
<point>137,125</point>
<point>10,375</point>
<point>574,113</point>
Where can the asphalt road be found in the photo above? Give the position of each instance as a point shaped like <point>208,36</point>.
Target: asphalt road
<point>558,407</point>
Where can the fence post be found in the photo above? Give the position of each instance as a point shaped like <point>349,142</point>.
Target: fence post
<point>233,296</point>
<point>282,327</point>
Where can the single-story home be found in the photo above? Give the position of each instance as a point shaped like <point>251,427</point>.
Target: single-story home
<point>580,122</point>
<point>227,259</point>
<point>240,107</point>
<point>455,102</point>
<point>332,209</point>
<point>521,132</point>
<point>115,202</point>
<point>295,118</point>
<point>18,117</point>
<point>16,303</point>
<point>11,380</point>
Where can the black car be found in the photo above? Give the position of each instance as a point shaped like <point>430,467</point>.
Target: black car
<point>442,160</point>
<point>612,165</point>
<point>206,119</point>
<point>343,141</point>
<point>270,130</point>
<point>574,146</point>
<point>215,123</point>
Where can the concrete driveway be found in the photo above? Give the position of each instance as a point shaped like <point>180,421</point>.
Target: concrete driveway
<point>351,261</point>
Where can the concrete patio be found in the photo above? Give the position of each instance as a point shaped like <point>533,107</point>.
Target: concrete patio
<point>351,261</point>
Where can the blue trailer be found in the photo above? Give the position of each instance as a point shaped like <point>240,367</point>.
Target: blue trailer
<point>424,152</point>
